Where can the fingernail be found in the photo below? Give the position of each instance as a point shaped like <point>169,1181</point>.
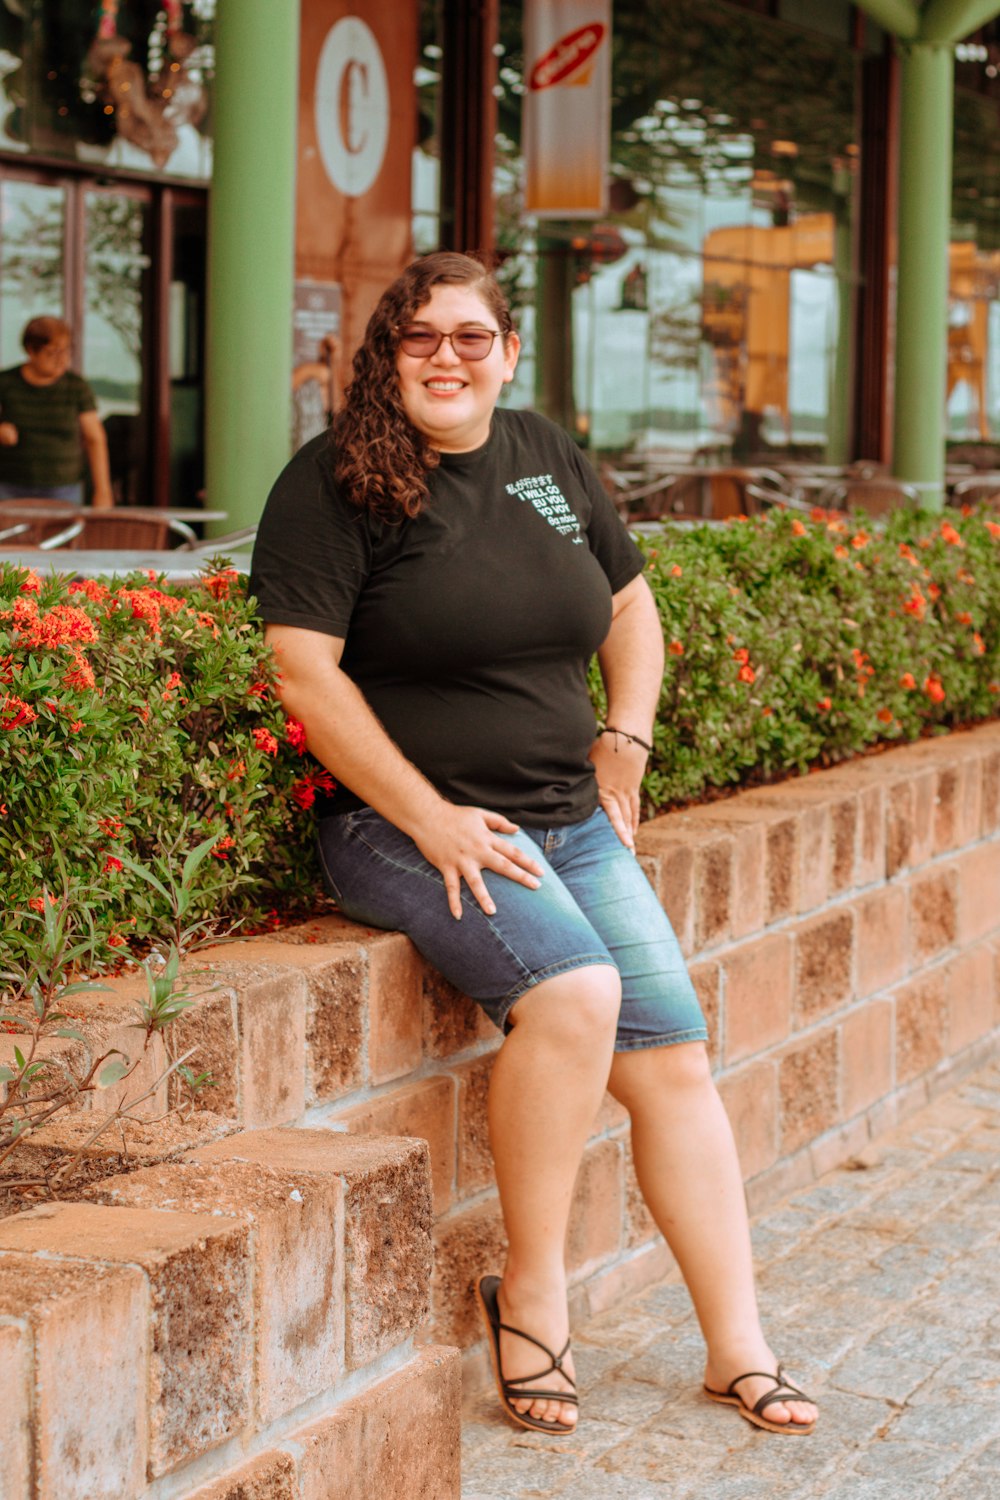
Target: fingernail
<point>490,910</point>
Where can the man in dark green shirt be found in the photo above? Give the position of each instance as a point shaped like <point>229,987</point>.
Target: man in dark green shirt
<point>48,421</point>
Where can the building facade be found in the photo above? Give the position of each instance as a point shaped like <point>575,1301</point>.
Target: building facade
<point>734,298</point>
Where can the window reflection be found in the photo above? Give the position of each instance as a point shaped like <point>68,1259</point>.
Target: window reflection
<point>723,327</point>
<point>32,242</point>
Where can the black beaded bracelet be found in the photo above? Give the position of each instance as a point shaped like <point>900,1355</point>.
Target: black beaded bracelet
<point>633,739</point>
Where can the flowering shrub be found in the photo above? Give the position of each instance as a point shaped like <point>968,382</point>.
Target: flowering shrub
<point>798,641</point>
<point>137,721</point>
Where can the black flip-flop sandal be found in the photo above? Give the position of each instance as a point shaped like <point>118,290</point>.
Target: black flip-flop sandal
<point>782,1391</point>
<point>513,1390</point>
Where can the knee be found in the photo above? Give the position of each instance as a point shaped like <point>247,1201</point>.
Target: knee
<point>579,1008</point>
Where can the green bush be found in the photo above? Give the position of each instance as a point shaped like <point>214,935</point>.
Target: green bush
<point>798,641</point>
<point>137,721</point>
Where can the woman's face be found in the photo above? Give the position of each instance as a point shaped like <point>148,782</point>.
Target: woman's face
<point>447,398</point>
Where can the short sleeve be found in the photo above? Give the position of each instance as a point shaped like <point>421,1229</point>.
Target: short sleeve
<point>606,532</point>
<point>85,400</point>
<point>313,550</point>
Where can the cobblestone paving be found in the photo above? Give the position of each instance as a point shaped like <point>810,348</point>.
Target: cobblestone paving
<point>880,1287</point>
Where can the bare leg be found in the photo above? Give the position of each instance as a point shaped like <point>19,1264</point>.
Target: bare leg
<point>546,1087</point>
<point>689,1173</point>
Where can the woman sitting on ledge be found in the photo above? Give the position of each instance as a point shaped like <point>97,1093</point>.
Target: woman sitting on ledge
<point>434,582</point>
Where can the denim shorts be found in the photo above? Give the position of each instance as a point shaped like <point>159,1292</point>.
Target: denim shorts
<point>70,492</point>
<point>594,906</point>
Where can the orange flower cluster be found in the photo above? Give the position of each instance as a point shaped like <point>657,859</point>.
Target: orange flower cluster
<point>15,713</point>
<point>265,740</point>
<point>746,672</point>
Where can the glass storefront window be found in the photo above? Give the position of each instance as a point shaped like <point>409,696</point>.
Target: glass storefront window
<point>711,311</point>
<point>110,83</point>
<point>32,248</point>
<point>973,393</point>
<point>116,265</point>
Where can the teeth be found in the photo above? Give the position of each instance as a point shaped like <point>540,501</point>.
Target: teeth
<point>445,385</point>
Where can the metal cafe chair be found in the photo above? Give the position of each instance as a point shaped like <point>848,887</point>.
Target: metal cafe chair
<point>31,522</point>
<point>116,529</point>
<point>980,489</point>
<point>212,544</point>
<point>874,496</point>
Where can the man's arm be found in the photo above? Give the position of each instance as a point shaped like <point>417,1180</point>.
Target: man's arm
<point>96,444</point>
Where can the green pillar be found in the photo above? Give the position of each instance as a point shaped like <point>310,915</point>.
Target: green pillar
<point>838,440</point>
<point>251,242</point>
<point>925,150</point>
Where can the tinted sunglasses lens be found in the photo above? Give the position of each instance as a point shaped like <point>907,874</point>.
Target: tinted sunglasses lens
<point>419,342</point>
<point>473,344</point>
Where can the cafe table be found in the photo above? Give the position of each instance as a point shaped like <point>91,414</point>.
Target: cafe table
<point>173,565</point>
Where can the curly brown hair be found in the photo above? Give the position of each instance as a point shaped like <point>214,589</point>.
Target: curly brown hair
<point>381,461</point>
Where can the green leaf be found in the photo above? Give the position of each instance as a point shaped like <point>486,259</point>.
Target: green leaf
<point>83,986</point>
<point>19,1058</point>
<point>195,858</point>
<point>148,876</point>
<point>70,1031</point>
<point>6,1076</point>
<point>112,1072</point>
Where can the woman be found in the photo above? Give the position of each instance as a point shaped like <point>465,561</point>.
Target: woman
<point>434,584</point>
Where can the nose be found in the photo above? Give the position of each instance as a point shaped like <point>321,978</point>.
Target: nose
<point>440,357</point>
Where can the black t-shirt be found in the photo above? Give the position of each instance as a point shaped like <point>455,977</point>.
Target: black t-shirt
<point>468,629</point>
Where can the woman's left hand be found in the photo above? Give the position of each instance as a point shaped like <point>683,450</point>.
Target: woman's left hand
<point>619,775</point>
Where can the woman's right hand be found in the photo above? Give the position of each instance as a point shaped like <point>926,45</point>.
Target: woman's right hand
<point>464,841</point>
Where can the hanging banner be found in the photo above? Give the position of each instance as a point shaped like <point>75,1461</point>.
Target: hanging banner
<point>566,119</point>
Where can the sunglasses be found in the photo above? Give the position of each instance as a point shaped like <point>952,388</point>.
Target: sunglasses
<point>468,343</point>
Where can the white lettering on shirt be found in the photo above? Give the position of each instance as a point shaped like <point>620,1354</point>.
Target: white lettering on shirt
<point>549,501</point>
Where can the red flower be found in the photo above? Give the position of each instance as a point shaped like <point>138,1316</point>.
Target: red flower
<point>978,644</point>
<point>840,551</point>
<point>797,527</point>
<point>746,673</point>
<point>206,620</point>
<point>116,940</point>
<point>861,540</point>
<point>80,674</point>
<point>950,535</point>
<point>63,625</point>
<point>265,740</point>
<point>36,903</point>
<point>237,770</point>
<point>916,605</point>
<point>219,584</point>
<point>908,680</point>
<point>76,726</point>
<point>677,571</point>
<point>885,715</point>
<point>258,690</point>
<point>91,589</point>
<point>112,865</point>
<point>305,789</point>
<point>676,648</point>
<point>933,688</point>
<point>295,734</point>
<point>963,617</point>
<point>908,553</point>
<point>111,827</point>
<point>14,712</point>
<point>222,848</point>
<point>173,682</point>
<point>32,584</point>
<point>933,591</point>
<point>741,654</point>
<point>824,705</point>
<point>993,528</point>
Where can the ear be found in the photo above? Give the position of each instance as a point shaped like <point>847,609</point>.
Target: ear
<point>511,350</point>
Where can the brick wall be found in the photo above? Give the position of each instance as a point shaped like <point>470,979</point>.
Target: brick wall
<point>843,931</point>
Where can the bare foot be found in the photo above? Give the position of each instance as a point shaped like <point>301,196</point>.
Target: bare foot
<point>541,1312</point>
<point>720,1372</point>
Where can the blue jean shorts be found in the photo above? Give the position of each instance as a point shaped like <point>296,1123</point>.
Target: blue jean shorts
<point>594,906</point>
<point>71,492</point>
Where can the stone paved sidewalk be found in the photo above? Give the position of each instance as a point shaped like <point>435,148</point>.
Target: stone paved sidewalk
<point>880,1287</point>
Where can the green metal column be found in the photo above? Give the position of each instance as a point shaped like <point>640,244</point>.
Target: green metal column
<point>554,326</point>
<point>925,151</point>
<point>251,254</point>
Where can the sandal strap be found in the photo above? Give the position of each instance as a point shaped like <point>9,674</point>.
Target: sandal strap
<point>514,1393</point>
<point>782,1390</point>
<point>556,1360</point>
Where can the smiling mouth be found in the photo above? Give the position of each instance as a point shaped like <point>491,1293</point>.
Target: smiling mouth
<point>445,387</point>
